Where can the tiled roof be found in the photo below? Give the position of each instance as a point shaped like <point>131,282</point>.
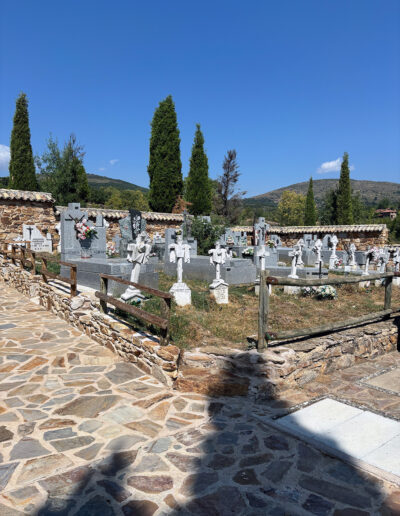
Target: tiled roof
<point>23,195</point>
<point>282,230</point>
<point>120,214</point>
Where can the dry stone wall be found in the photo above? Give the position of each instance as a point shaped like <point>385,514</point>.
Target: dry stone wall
<point>14,213</point>
<point>211,370</point>
<point>83,312</point>
<point>361,240</point>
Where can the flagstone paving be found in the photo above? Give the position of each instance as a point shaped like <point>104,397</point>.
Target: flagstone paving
<point>83,433</point>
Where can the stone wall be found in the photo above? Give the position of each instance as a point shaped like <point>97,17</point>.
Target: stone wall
<point>212,370</point>
<point>361,240</point>
<point>284,366</point>
<point>152,227</point>
<point>14,213</point>
<point>83,312</point>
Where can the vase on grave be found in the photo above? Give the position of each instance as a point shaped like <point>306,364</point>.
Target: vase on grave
<point>86,248</point>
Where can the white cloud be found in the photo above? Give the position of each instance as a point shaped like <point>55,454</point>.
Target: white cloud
<point>101,169</point>
<point>331,166</point>
<point>113,161</point>
<point>4,157</point>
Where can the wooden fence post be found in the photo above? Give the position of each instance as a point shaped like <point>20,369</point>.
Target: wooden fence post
<point>13,254</point>
<point>74,290</point>
<point>44,269</point>
<point>33,261</point>
<point>103,290</point>
<point>166,313</point>
<point>388,292</point>
<point>263,308</point>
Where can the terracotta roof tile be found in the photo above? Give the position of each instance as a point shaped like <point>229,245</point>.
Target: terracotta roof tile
<point>285,230</point>
<point>24,195</point>
<point>120,214</point>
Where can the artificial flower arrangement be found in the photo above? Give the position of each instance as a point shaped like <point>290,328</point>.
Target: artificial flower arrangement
<point>338,263</point>
<point>249,251</point>
<point>271,244</point>
<point>323,292</point>
<point>84,231</point>
<point>111,250</point>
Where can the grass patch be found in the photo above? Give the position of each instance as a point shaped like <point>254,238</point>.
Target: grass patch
<point>205,323</point>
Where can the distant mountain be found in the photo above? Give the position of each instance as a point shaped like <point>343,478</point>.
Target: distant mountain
<point>96,181</point>
<point>371,192</point>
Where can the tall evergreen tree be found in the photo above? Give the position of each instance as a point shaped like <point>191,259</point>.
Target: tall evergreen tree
<point>165,167</point>
<point>198,186</point>
<point>310,214</point>
<point>21,167</point>
<point>344,205</point>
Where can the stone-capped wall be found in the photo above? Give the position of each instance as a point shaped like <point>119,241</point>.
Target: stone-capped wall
<point>15,212</point>
<point>361,240</point>
<point>212,370</point>
<point>83,312</point>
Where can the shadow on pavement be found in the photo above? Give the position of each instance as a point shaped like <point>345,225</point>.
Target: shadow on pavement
<point>233,464</point>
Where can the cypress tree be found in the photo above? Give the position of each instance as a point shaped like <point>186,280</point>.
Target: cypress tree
<point>198,189</point>
<point>165,167</point>
<point>344,204</point>
<point>21,167</point>
<point>310,214</point>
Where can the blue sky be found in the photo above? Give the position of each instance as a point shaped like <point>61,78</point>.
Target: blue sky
<point>289,84</point>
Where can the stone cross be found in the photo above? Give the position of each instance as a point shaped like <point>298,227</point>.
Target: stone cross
<point>218,288</point>
<point>260,231</point>
<point>179,253</point>
<point>334,242</point>
<point>138,255</point>
<point>296,253</point>
<point>333,257</point>
<point>352,255</point>
<point>300,244</point>
<point>382,261</point>
<point>217,257</point>
<point>370,256</point>
<point>262,253</point>
<point>317,250</point>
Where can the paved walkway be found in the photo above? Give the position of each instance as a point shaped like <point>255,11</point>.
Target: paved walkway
<point>83,433</point>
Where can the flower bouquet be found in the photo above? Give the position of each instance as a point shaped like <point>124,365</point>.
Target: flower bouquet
<point>85,235</point>
<point>271,244</point>
<point>249,251</point>
<point>111,250</point>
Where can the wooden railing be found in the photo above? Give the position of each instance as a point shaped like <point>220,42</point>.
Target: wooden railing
<point>160,322</point>
<point>28,258</point>
<point>264,335</point>
<point>72,280</point>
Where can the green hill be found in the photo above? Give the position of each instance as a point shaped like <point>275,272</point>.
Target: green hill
<point>371,192</point>
<point>96,181</point>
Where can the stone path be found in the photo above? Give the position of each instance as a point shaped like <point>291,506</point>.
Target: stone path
<point>83,433</point>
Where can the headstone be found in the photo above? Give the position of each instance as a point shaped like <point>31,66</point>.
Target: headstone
<point>317,250</point>
<point>300,244</point>
<point>396,263</point>
<point>138,255</point>
<point>295,254</point>
<point>137,225</point>
<point>218,288</point>
<point>260,231</point>
<point>179,252</point>
<point>309,240</point>
<point>70,244</point>
<point>333,242</point>
<point>39,243</point>
<point>352,256</point>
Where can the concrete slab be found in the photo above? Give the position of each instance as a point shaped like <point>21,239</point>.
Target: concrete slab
<point>369,440</point>
<point>387,457</point>
<point>320,417</point>
<point>361,435</point>
<point>389,381</point>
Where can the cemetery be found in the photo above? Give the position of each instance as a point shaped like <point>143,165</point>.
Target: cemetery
<point>200,305</point>
<point>207,292</point>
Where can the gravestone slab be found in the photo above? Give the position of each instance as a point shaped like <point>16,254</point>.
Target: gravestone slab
<point>70,244</point>
<point>39,243</point>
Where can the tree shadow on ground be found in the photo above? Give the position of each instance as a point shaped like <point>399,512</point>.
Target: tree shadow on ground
<point>233,464</point>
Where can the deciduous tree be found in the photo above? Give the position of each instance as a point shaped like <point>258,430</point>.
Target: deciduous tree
<point>291,209</point>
